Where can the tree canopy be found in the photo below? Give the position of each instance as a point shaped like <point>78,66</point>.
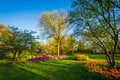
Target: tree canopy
<point>98,21</point>
<point>53,25</point>
<point>15,40</point>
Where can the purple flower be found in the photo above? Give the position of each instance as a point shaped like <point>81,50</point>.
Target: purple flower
<point>43,58</point>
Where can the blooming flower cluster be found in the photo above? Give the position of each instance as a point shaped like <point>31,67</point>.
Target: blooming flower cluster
<point>42,58</point>
<point>99,67</point>
<point>46,57</point>
<point>60,56</point>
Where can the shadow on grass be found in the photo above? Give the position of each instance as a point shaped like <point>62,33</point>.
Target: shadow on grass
<point>57,70</point>
<point>13,72</point>
<point>63,69</point>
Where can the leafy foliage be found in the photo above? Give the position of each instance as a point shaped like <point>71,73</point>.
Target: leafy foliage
<point>5,35</point>
<point>69,44</point>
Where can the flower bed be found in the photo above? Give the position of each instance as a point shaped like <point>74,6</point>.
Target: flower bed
<point>46,57</point>
<point>60,56</point>
<point>100,68</point>
<point>42,58</point>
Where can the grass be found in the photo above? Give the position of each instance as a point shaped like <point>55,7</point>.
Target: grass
<point>44,70</point>
<point>63,69</point>
<point>102,57</point>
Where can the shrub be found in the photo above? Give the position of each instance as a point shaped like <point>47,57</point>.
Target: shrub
<point>81,57</point>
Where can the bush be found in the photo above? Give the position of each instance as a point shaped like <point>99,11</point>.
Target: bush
<point>81,57</point>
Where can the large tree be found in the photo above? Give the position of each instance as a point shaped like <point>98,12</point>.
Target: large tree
<point>99,21</point>
<point>53,25</point>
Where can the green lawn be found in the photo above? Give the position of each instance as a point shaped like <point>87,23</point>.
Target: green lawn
<point>63,69</point>
<point>102,57</point>
<point>46,70</point>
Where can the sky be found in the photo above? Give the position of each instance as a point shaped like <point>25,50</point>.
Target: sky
<point>24,14</point>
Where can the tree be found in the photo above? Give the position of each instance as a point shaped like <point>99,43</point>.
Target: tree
<point>80,46</point>
<point>53,26</point>
<point>3,30</point>
<point>5,34</point>
<point>51,46</point>
<point>69,44</point>
<point>99,20</point>
<point>35,47</point>
<point>20,41</point>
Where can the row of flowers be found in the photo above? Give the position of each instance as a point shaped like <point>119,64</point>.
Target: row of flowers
<point>46,57</point>
<point>100,68</point>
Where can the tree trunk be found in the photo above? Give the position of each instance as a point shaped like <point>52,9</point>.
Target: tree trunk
<point>19,53</point>
<point>112,61</point>
<point>114,51</point>
<point>58,48</point>
<point>14,57</point>
<point>18,56</point>
<point>109,59</point>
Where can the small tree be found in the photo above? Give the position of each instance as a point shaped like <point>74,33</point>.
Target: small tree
<point>35,47</point>
<point>69,44</point>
